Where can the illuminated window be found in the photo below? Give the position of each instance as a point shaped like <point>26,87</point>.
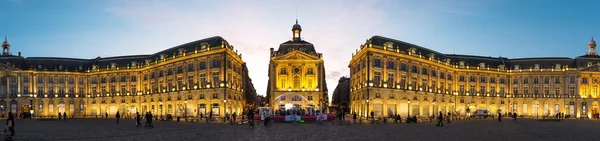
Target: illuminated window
<point>296,82</point>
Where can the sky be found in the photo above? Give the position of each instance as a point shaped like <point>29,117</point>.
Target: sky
<point>508,28</point>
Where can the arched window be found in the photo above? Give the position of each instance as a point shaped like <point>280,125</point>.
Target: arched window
<point>296,82</point>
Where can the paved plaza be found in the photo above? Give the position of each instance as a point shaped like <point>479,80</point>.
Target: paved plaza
<point>98,129</point>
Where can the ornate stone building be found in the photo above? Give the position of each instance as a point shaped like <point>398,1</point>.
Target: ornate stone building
<point>296,75</point>
<point>341,94</point>
<point>389,77</point>
<point>193,78</point>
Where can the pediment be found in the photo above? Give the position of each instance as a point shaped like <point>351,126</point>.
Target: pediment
<point>297,55</point>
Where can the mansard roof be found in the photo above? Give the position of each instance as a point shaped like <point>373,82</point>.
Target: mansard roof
<point>292,45</point>
<point>493,62</point>
<point>82,65</point>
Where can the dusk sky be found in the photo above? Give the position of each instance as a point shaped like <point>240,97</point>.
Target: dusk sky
<point>90,28</point>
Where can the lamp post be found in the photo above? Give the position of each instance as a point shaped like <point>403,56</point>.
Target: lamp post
<point>185,110</point>
<point>408,115</point>
<point>225,102</point>
<point>367,109</point>
<point>537,110</point>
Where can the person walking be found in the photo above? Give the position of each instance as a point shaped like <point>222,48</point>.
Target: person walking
<point>250,118</point>
<point>234,116</point>
<point>59,116</point>
<point>499,117</point>
<point>448,117</point>
<point>210,117</point>
<point>106,115</point>
<point>138,118</point>
<point>372,116</point>
<point>354,117</point>
<point>146,116</point>
<point>117,116</point>
<point>10,124</point>
<point>440,120</point>
<point>65,116</point>
<point>151,125</point>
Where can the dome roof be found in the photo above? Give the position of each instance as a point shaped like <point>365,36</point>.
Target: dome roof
<point>5,43</point>
<point>297,26</point>
<point>592,42</point>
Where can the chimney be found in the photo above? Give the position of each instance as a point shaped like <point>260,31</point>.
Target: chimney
<point>19,54</point>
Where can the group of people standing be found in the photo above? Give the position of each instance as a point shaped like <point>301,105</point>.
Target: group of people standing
<point>148,117</point>
<point>63,116</point>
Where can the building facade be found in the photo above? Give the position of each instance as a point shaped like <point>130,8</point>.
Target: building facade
<point>296,75</point>
<point>190,79</point>
<point>341,94</point>
<point>389,77</point>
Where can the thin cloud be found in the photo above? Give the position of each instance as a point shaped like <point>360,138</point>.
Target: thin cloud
<point>336,28</point>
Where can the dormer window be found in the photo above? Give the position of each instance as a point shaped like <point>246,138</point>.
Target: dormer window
<point>180,52</point>
<point>389,46</point>
<point>461,64</point>
<point>501,67</point>
<point>517,67</point>
<point>447,61</point>
<point>203,47</point>
<point>80,68</point>
<point>481,65</point>
<point>589,64</point>
<point>60,67</point>
<point>536,66</point>
<point>113,66</point>
<point>412,50</point>
<point>557,66</point>
<point>431,56</point>
<point>133,64</point>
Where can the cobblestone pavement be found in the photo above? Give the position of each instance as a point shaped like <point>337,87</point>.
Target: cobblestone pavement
<point>98,129</point>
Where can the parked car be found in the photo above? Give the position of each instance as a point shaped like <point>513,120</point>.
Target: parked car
<point>480,114</point>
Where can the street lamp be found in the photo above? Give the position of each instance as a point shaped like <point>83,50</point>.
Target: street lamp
<point>367,110</point>
<point>408,115</point>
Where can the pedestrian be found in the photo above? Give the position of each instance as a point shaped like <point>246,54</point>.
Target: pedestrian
<point>151,125</point>
<point>354,117</point>
<point>138,118</point>
<point>146,117</point>
<point>106,115</point>
<point>10,124</point>
<point>59,116</point>
<point>499,117</point>
<point>201,116</point>
<point>372,115</point>
<point>234,117</point>
<point>440,120</point>
<point>448,117</point>
<point>210,117</point>
<point>117,116</point>
<point>251,118</point>
<point>65,116</point>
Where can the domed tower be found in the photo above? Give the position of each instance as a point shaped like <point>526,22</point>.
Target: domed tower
<point>296,30</point>
<point>592,47</point>
<point>5,47</point>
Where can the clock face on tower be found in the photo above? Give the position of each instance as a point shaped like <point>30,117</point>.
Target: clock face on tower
<point>296,70</point>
